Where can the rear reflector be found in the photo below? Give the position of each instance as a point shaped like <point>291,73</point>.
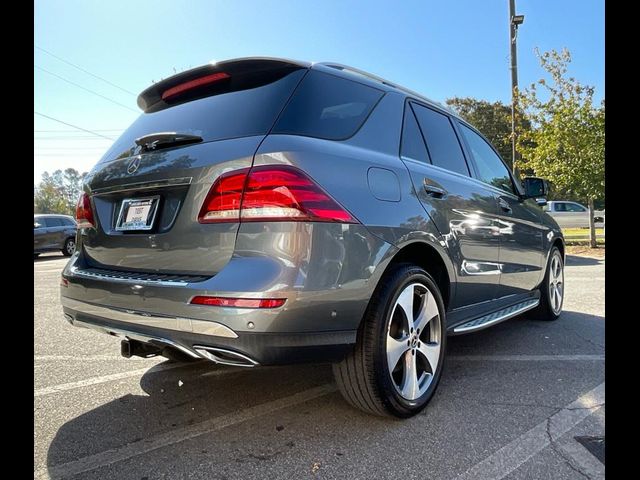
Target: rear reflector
<point>270,193</point>
<point>190,85</point>
<point>84,214</point>
<point>239,302</point>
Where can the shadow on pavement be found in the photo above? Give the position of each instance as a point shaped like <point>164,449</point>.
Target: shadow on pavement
<point>176,398</point>
<point>197,392</point>
<point>569,334</point>
<point>580,261</point>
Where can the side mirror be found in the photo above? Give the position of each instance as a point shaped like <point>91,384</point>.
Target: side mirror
<point>535,187</point>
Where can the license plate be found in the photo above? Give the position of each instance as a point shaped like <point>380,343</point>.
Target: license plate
<point>137,213</point>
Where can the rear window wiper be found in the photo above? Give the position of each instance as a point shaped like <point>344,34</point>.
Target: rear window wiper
<point>155,141</point>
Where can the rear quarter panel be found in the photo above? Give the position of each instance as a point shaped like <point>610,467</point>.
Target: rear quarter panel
<point>365,175</point>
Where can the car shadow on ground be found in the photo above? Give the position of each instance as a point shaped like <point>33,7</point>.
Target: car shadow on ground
<point>177,398</point>
<point>580,261</point>
<point>189,394</point>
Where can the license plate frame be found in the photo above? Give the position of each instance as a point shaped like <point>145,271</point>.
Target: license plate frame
<point>128,223</point>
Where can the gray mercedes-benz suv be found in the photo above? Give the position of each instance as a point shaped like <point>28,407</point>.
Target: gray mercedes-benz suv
<point>267,211</point>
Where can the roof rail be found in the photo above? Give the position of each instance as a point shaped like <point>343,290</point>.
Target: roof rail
<point>371,76</point>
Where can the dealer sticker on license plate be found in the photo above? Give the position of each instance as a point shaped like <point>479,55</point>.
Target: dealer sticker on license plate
<point>137,214</point>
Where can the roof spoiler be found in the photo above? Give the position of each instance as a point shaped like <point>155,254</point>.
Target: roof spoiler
<point>151,99</point>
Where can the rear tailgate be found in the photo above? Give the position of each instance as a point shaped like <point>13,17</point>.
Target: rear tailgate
<point>170,184</point>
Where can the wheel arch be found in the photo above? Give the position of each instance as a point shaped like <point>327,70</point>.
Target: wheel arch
<point>559,242</point>
<point>433,259</point>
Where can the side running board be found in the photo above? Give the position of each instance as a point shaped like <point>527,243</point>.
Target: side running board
<point>496,317</point>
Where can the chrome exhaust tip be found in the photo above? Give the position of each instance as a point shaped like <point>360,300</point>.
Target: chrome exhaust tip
<point>225,357</point>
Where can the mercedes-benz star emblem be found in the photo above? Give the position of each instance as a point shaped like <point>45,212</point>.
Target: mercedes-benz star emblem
<point>133,165</point>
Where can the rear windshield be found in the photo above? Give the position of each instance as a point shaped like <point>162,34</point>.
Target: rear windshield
<point>228,114</point>
<point>326,106</point>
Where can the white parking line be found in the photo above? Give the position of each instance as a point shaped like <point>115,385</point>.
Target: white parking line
<point>517,452</point>
<point>524,358</point>
<point>102,379</point>
<point>172,437</point>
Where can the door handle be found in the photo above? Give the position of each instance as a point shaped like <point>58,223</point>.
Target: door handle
<point>504,205</point>
<point>433,190</point>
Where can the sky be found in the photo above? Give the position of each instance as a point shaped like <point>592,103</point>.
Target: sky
<point>92,58</point>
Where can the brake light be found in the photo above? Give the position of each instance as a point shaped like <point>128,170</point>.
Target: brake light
<point>84,214</point>
<point>270,193</point>
<point>238,302</point>
<point>190,85</point>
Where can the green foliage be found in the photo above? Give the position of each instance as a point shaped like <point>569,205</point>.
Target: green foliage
<point>492,119</point>
<point>566,141</point>
<point>58,192</point>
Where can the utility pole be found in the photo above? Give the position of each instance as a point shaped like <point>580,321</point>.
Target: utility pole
<point>514,21</point>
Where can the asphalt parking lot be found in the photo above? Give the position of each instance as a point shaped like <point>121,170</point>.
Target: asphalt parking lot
<point>511,402</point>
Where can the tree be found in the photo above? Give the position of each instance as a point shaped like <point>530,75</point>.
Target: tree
<point>492,119</point>
<point>58,192</point>
<point>566,141</point>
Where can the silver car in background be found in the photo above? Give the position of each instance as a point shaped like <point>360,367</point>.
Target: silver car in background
<point>572,214</point>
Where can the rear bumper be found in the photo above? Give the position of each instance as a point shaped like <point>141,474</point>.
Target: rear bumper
<point>325,272</point>
<point>179,333</point>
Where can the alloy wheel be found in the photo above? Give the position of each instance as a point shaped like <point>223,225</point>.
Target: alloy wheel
<point>556,283</point>
<point>413,341</point>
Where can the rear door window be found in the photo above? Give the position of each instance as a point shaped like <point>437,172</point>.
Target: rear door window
<point>326,106</point>
<point>442,142</point>
<point>491,169</point>
<point>574,207</point>
<point>53,222</point>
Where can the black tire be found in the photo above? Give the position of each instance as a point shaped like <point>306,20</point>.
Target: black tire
<point>363,376</point>
<point>545,311</point>
<point>69,247</point>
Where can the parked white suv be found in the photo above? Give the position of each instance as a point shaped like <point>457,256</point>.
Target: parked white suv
<point>573,215</point>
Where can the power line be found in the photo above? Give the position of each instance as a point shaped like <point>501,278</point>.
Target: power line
<point>84,88</point>
<point>68,148</point>
<point>71,137</point>
<point>91,155</point>
<point>86,71</point>
<point>71,131</point>
<point>73,126</point>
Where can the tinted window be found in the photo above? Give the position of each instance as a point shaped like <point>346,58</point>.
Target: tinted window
<point>68,222</point>
<point>53,222</point>
<point>412,145</point>
<point>326,106</point>
<point>442,142</point>
<point>228,114</point>
<point>560,207</point>
<point>491,169</point>
<point>574,207</point>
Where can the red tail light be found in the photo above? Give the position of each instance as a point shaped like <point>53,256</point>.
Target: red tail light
<point>84,214</point>
<point>190,85</point>
<point>239,302</point>
<point>270,193</point>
